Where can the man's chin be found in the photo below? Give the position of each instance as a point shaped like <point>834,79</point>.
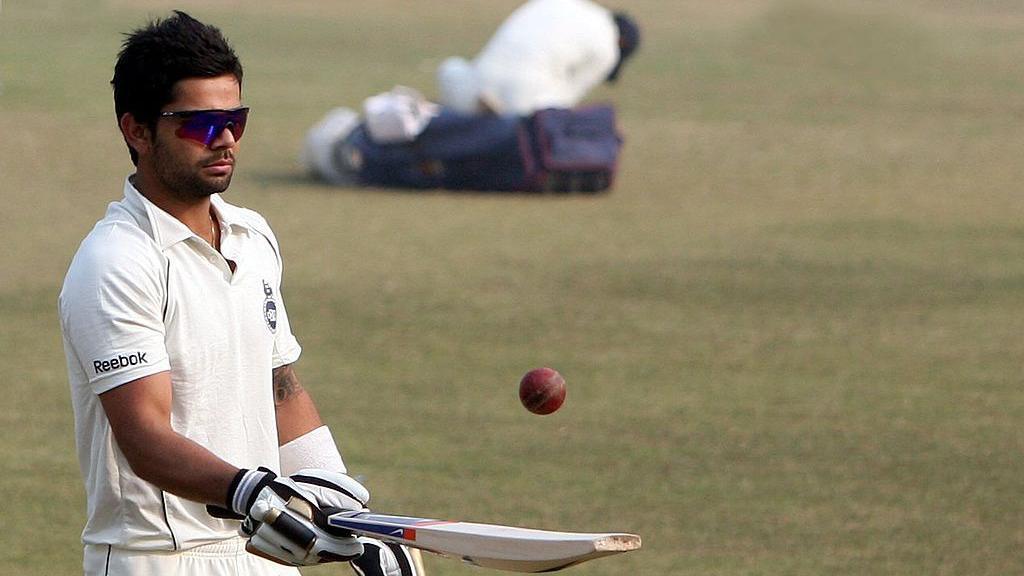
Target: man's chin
<point>214,185</point>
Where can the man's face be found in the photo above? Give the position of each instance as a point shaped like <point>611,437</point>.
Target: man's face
<point>188,169</point>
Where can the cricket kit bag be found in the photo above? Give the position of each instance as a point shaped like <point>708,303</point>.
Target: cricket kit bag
<point>552,150</point>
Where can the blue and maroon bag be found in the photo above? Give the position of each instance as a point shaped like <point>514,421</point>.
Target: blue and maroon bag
<point>552,150</point>
<point>573,150</point>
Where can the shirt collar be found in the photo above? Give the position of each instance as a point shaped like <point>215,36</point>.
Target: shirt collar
<point>229,215</point>
<point>167,230</point>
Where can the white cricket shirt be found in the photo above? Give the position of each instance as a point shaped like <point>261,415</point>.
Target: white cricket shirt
<point>546,54</point>
<point>144,295</point>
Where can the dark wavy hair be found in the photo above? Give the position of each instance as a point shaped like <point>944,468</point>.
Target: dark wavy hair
<point>155,57</point>
<point>629,41</point>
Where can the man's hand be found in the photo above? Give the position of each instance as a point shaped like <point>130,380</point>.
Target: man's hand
<point>285,534</point>
<point>284,515</point>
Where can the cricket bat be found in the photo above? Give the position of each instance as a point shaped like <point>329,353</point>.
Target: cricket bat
<point>488,545</point>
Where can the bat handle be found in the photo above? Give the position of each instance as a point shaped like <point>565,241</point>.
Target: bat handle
<point>290,528</point>
<point>327,513</point>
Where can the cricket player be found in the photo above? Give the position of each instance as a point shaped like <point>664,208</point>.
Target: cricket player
<point>546,54</point>
<point>190,421</point>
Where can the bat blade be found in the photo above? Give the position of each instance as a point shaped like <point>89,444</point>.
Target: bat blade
<point>489,545</point>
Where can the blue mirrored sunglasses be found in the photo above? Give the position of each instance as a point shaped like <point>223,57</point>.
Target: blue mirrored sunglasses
<point>204,126</point>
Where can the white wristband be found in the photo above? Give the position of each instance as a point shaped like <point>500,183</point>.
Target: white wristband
<point>314,449</point>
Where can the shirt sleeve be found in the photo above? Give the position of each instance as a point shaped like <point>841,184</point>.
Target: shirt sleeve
<point>286,347</point>
<point>111,308</point>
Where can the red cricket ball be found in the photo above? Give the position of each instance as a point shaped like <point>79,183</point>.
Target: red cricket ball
<point>542,390</point>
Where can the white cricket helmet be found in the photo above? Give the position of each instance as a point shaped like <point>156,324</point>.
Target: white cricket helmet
<point>318,150</point>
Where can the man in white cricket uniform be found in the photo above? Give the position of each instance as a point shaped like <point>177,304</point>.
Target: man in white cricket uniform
<point>546,54</point>
<point>179,349</point>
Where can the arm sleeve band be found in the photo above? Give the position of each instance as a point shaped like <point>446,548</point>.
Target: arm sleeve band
<point>314,449</point>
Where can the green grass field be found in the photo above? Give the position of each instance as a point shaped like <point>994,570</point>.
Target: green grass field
<point>792,332</point>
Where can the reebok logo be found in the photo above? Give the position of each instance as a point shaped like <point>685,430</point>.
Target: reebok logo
<point>119,362</point>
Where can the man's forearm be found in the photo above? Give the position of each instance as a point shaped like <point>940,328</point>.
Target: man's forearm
<point>180,466</point>
<point>296,412</point>
<point>139,414</point>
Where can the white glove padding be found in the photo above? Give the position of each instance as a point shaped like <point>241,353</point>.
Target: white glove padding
<point>333,490</point>
<point>285,534</point>
<point>384,559</point>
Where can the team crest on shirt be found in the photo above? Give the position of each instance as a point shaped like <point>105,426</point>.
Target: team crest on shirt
<point>269,307</point>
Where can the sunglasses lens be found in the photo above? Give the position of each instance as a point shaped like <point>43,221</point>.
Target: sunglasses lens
<point>205,127</point>
<point>236,122</point>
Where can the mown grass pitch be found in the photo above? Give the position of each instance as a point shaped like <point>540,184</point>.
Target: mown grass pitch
<point>791,333</point>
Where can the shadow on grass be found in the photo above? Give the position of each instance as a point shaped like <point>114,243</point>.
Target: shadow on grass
<point>285,181</point>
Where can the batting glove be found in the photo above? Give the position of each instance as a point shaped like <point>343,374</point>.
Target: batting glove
<point>384,559</point>
<point>286,535</point>
<point>284,518</point>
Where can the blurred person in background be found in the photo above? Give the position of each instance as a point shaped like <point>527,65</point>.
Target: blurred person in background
<point>546,54</point>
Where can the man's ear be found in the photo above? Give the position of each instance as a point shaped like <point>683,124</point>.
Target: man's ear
<point>136,134</point>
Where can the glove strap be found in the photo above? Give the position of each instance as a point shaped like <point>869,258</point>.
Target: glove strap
<point>242,492</point>
<point>246,486</point>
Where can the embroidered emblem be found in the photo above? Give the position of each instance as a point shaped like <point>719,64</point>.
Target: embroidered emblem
<point>269,307</point>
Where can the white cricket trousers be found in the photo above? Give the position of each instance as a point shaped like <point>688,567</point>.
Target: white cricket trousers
<point>227,558</point>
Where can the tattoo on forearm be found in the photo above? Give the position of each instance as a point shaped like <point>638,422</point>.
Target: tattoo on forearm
<point>286,385</point>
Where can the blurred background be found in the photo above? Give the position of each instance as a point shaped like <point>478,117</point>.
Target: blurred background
<point>791,332</point>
